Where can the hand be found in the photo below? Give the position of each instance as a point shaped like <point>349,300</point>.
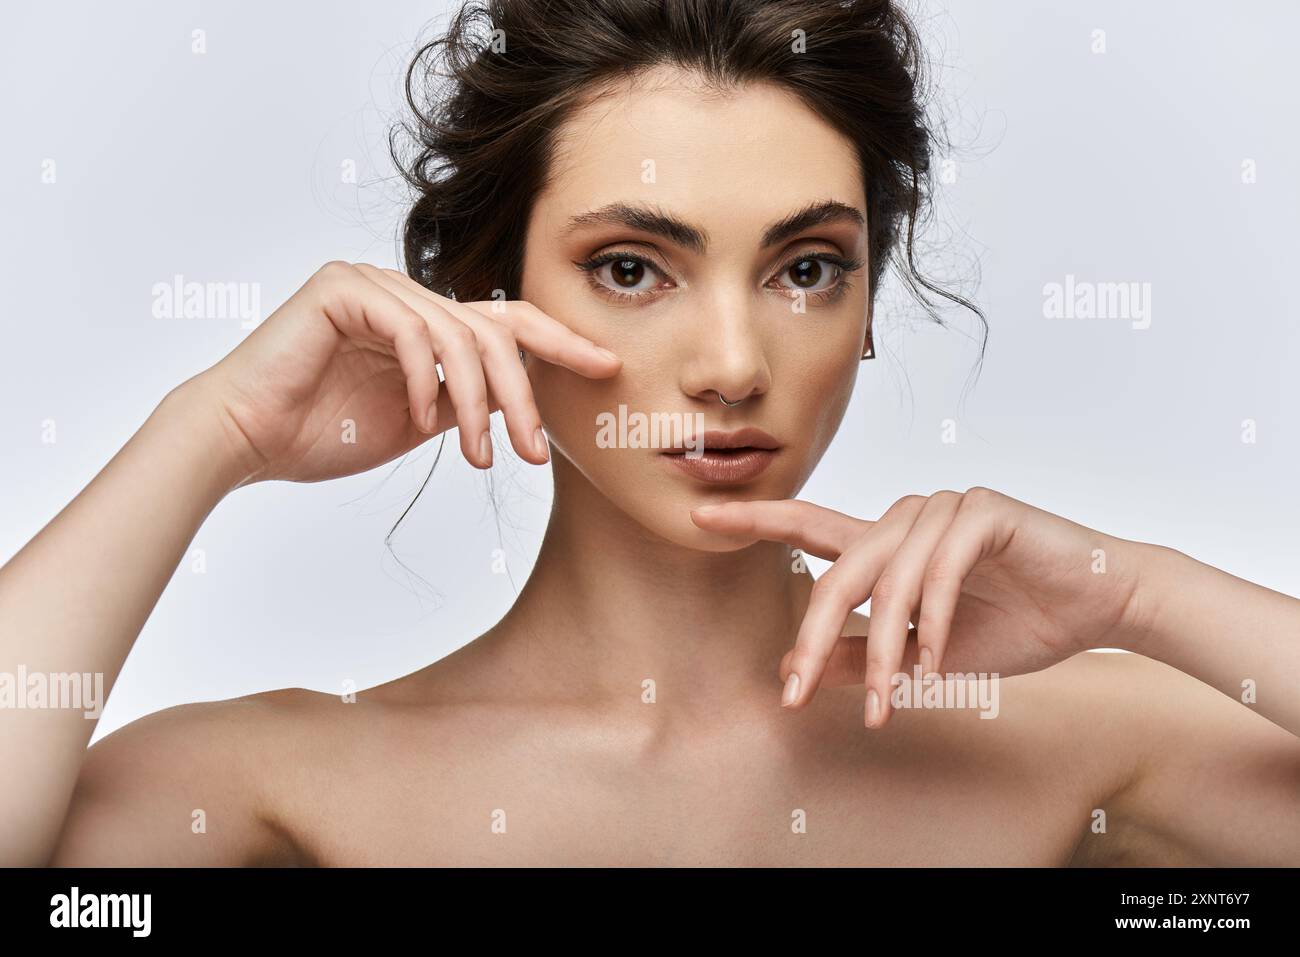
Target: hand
<point>994,585</point>
<point>360,343</point>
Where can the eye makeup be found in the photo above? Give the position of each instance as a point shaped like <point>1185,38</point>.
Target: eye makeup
<point>626,261</point>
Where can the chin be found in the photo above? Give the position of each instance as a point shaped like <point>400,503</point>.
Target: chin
<point>690,535</point>
<point>667,516</point>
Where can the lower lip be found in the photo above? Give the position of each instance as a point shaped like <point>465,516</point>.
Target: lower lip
<point>723,468</point>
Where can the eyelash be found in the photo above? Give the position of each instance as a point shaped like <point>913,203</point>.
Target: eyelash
<point>823,296</point>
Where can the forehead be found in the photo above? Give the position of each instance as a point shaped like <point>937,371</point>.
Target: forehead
<point>734,160</point>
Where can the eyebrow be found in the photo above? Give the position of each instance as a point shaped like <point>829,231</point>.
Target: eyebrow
<point>652,219</point>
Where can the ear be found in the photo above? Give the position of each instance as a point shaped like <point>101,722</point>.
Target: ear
<point>868,345</point>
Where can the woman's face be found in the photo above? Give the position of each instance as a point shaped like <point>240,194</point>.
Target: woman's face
<point>715,288</point>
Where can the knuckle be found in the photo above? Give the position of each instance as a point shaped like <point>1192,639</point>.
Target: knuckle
<point>878,666</point>
<point>939,570</point>
<point>419,329</point>
<point>886,590</point>
<point>498,338</point>
<point>828,588</point>
<point>334,272</point>
<point>928,623</point>
<point>906,504</point>
<point>461,336</point>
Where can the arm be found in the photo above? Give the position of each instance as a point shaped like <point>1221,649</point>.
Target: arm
<point>355,344</point>
<point>1201,780</point>
<point>1217,779</point>
<point>75,597</point>
<point>1234,635</point>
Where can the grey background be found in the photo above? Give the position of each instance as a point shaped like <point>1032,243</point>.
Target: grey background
<point>1123,166</point>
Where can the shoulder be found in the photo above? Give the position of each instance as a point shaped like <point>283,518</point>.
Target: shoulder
<point>1089,710</point>
<point>1182,773</point>
<point>189,784</point>
<point>1076,729</point>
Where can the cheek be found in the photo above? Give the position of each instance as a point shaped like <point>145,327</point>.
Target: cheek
<point>569,404</point>
<point>820,383</point>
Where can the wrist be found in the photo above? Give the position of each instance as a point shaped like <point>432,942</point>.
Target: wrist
<point>1154,579</point>
<point>195,414</point>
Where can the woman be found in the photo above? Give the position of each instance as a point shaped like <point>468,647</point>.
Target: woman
<point>681,209</point>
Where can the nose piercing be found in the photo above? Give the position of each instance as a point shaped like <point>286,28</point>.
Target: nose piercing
<point>723,399</point>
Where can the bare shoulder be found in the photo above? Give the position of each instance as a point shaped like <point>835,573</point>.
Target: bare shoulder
<point>1072,733</point>
<point>1088,710</point>
<point>1207,780</point>
<point>193,784</point>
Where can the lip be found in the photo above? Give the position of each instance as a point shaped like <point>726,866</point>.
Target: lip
<point>749,436</point>
<point>728,458</point>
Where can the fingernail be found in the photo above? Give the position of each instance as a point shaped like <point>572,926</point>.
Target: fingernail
<point>927,662</point>
<point>431,417</point>
<point>791,691</point>
<point>606,353</point>
<point>485,449</point>
<point>873,708</point>
<point>706,508</point>
<point>539,443</point>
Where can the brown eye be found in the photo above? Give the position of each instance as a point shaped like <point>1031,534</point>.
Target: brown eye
<point>627,272</point>
<point>622,274</point>
<point>818,273</point>
<point>806,272</point>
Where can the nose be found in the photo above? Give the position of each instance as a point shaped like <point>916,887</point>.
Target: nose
<point>724,353</point>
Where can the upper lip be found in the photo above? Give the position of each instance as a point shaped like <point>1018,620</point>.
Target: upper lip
<point>748,437</point>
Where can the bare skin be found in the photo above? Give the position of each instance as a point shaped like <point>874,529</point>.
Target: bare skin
<point>627,709</point>
<point>416,771</point>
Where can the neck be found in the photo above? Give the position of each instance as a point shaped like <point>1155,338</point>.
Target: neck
<point>609,605</point>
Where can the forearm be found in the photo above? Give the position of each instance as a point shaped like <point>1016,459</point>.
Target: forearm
<point>74,599</point>
<point>1234,635</point>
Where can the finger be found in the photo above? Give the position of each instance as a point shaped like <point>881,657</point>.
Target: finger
<point>510,384</point>
<point>842,588</point>
<point>506,379</point>
<point>547,338</point>
<point>969,539</point>
<point>893,597</point>
<point>819,531</point>
<point>848,661</point>
<point>457,349</point>
<point>363,311</point>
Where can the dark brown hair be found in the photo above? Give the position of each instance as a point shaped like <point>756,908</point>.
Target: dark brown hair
<point>484,118</point>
